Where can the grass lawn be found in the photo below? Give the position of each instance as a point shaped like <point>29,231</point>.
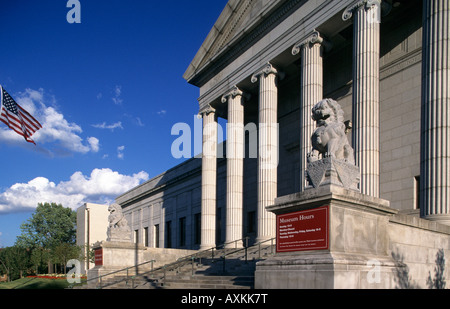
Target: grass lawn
<point>35,283</point>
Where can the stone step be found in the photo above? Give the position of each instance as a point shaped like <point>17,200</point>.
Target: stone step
<point>205,282</point>
<point>175,285</point>
<point>207,273</point>
<point>242,276</point>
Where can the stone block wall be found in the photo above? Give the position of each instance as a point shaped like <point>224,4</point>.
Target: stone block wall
<point>424,247</point>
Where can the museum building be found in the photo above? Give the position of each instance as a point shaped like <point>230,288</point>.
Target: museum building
<point>262,68</point>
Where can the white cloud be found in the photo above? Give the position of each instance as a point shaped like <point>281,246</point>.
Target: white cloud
<point>120,150</point>
<point>108,126</point>
<point>135,120</point>
<point>139,122</point>
<point>117,92</point>
<point>101,186</point>
<point>94,143</point>
<point>57,135</point>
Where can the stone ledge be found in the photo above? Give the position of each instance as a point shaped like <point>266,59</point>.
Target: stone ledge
<point>320,196</point>
<point>326,257</point>
<point>119,245</point>
<point>326,270</point>
<point>420,223</point>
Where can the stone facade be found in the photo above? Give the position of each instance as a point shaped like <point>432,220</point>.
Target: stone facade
<point>267,63</point>
<point>324,48</point>
<point>164,212</point>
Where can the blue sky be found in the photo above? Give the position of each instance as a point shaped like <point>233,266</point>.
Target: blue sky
<point>107,91</point>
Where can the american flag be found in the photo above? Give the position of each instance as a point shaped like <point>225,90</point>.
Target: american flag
<point>16,118</point>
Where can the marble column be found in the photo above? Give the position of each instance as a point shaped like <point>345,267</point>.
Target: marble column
<point>267,149</point>
<point>209,179</point>
<point>235,167</point>
<point>366,68</point>
<point>435,124</point>
<point>310,51</point>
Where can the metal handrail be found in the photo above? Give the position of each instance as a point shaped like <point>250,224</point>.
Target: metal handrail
<point>186,259</point>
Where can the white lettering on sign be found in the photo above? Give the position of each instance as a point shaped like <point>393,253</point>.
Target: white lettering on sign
<point>283,220</point>
<point>302,217</point>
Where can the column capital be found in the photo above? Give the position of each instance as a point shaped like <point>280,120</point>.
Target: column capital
<point>348,12</point>
<point>233,92</point>
<point>313,38</point>
<point>267,69</point>
<point>206,111</point>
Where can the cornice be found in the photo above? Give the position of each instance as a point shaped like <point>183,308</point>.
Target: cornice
<point>214,90</point>
<point>231,52</point>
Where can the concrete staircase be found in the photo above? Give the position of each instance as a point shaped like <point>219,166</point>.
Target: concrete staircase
<point>209,275</point>
<point>235,271</point>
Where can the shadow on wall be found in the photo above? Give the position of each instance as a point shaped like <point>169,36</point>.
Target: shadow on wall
<point>403,278</point>
<point>438,282</point>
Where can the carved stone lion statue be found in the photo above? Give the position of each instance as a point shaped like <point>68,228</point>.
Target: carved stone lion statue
<point>118,229</point>
<point>330,137</point>
<point>116,218</point>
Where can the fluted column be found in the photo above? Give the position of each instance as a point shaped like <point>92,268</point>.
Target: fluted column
<point>235,166</point>
<point>267,149</point>
<point>366,68</point>
<point>435,125</point>
<point>311,92</point>
<point>209,179</point>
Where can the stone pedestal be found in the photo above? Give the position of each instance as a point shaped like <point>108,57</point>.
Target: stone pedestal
<point>355,234</point>
<point>330,171</point>
<point>111,256</point>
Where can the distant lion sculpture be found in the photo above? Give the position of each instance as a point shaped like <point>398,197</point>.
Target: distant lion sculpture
<point>330,137</point>
<point>118,229</point>
<point>116,218</point>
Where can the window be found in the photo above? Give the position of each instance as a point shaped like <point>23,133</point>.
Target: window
<point>146,236</point>
<point>198,228</point>
<point>168,238</point>
<point>136,236</point>
<point>251,222</point>
<point>156,235</point>
<point>417,192</point>
<point>182,231</point>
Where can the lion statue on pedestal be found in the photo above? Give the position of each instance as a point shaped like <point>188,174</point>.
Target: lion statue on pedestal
<point>118,229</point>
<point>330,137</point>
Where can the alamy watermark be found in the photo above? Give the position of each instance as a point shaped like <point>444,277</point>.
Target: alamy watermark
<point>74,14</point>
<point>74,275</point>
<point>196,140</point>
<point>374,274</point>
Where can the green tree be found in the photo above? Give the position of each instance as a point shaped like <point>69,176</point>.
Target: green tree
<point>64,252</point>
<point>50,225</point>
<point>39,259</point>
<point>14,262</point>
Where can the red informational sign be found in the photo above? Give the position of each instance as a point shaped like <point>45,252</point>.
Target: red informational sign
<point>98,257</point>
<point>303,230</point>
